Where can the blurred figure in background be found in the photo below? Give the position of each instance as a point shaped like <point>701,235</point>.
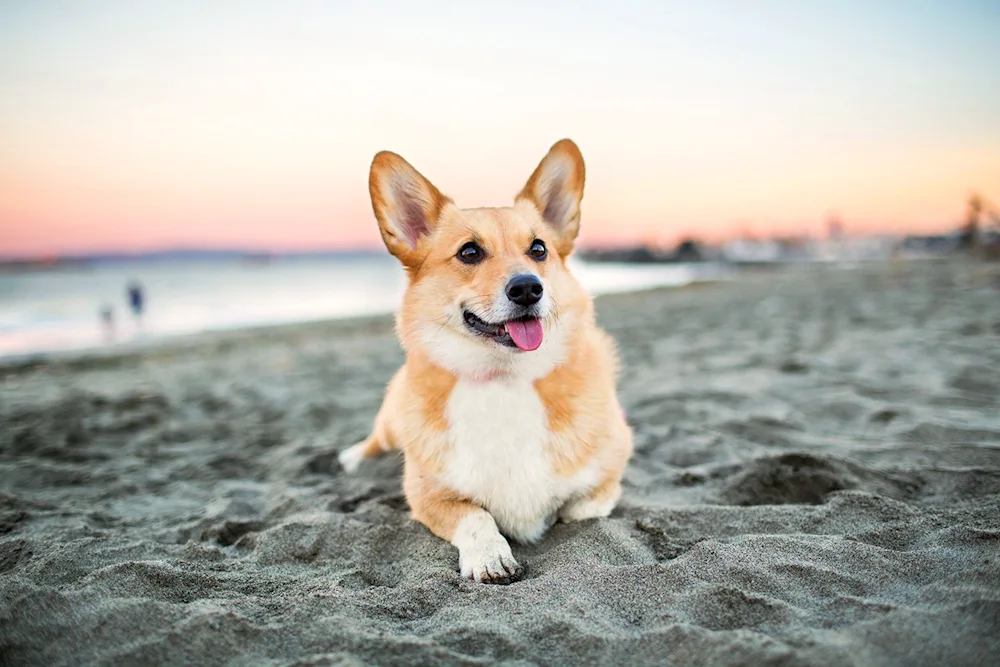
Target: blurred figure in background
<point>136,301</point>
<point>108,322</point>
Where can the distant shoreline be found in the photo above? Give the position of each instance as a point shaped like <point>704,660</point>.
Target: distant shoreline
<point>26,356</point>
<point>227,336</point>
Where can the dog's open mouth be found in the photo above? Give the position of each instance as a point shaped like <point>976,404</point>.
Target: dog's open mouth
<point>524,333</point>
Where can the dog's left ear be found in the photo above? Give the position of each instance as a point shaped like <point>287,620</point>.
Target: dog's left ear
<point>555,189</point>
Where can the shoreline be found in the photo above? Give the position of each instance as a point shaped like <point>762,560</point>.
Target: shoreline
<point>148,344</point>
<point>172,343</point>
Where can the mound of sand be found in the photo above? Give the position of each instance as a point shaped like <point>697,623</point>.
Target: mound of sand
<point>816,481</point>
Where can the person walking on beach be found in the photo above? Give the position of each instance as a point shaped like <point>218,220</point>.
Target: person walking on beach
<point>136,300</point>
<point>108,322</point>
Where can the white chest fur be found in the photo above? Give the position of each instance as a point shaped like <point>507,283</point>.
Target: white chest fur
<point>499,436</point>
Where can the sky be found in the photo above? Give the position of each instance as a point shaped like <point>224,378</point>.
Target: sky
<point>130,126</point>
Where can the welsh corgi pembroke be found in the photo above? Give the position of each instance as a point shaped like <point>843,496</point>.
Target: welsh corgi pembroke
<point>505,410</point>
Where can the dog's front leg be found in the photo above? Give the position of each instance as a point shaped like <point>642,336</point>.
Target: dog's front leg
<point>483,553</point>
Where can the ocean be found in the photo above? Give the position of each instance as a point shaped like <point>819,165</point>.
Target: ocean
<point>61,309</point>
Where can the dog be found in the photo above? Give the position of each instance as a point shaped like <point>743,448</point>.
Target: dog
<point>506,408</point>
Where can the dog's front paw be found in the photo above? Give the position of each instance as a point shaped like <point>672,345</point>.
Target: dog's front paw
<point>489,562</point>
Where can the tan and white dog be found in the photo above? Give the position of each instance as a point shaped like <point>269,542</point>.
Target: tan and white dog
<point>505,409</point>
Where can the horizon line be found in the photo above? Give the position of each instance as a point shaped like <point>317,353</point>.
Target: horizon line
<point>376,248</point>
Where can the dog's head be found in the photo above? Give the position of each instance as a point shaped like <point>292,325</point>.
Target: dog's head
<point>488,287</point>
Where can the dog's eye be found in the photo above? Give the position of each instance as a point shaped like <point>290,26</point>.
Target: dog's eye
<point>471,253</point>
<point>537,250</point>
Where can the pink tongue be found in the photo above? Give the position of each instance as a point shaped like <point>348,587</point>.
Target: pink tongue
<point>526,335</point>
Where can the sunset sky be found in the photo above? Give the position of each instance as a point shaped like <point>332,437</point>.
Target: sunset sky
<point>142,125</point>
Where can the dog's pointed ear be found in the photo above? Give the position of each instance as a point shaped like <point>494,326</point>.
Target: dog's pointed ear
<point>407,205</point>
<point>556,189</point>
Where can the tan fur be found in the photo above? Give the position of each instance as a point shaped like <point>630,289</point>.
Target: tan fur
<point>586,432</point>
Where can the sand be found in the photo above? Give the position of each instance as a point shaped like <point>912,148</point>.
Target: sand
<point>816,482</point>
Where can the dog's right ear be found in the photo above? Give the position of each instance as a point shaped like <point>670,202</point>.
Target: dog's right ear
<point>406,205</point>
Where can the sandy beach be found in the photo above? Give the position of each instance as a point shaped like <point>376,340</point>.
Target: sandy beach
<point>816,482</point>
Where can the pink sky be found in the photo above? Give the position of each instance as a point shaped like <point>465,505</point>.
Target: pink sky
<point>137,127</point>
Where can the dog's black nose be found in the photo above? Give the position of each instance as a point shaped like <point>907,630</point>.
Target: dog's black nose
<point>524,289</point>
